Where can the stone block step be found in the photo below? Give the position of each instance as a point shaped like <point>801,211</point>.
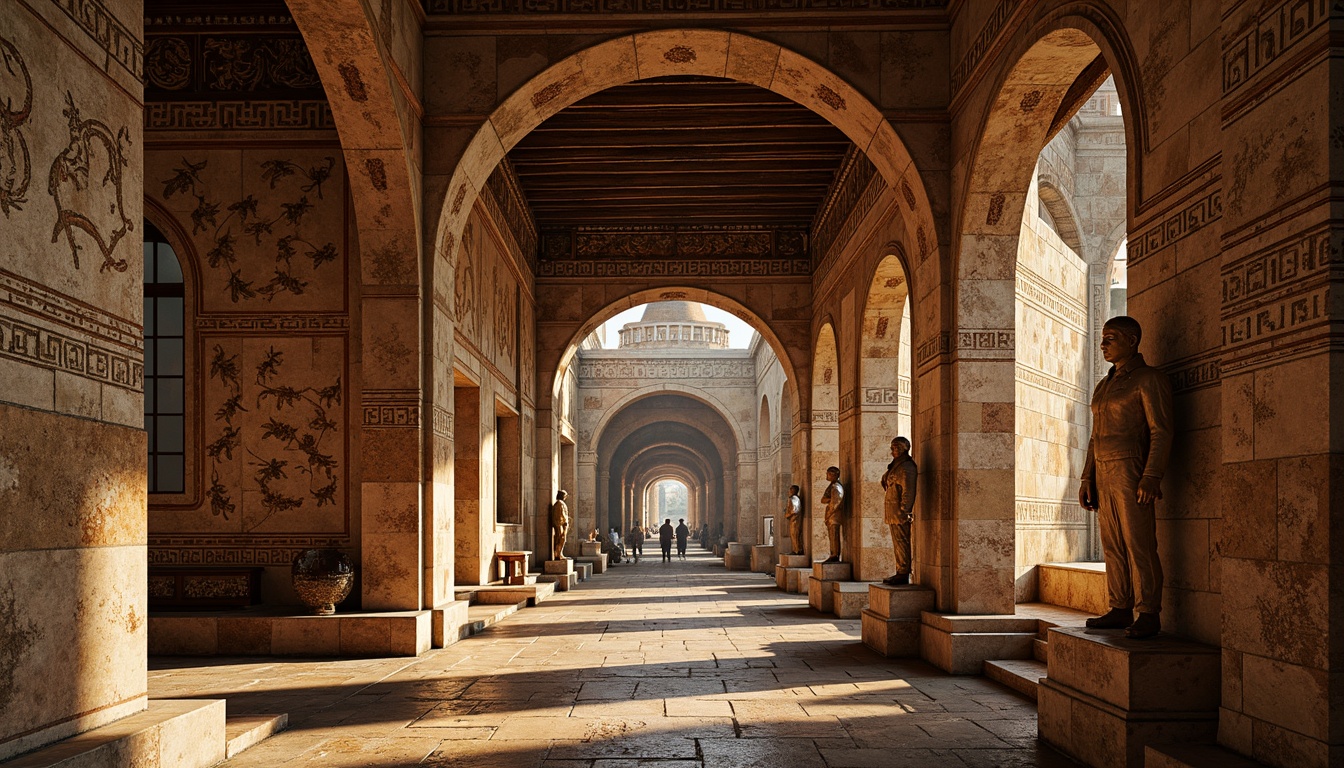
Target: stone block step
<point>795,580</point>
<point>904,602</point>
<point>495,594</point>
<point>598,563</point>
<point>447,621</point>
<point>795,561</point>
<point>1080,586</point>
<point>951,622</point>
<point>1194,756</point>
<point>1041,651</point>
<point>480,617</point>
<point>824,571</point>
<point>585,570</point>
<point>1162,674</point>
<point>243,731</point>
<point>849,599</point>
<point>183,733</point>
<point>1022,675</point>
<point>763,558</point>
<point>279,631</point>
<point>890,637</point>
<point>563,581</point>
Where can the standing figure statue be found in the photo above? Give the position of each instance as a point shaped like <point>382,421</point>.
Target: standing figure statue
<point>559,525</point>
<point>899,506</point>
<point>793,512</point>
<point>834,499</point>
<point>1122,479</point>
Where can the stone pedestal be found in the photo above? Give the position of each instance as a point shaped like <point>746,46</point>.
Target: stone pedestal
<point>820,586</point>
<point>737,557</point>
<point>795,580</point>
<point>762,558</point>
<point>962,643</point>
<point>891,622</point>
<point>597,562</point>
<point>558,566</point>
<point>781,576</point>
<point>795,561</point>
<point>584,570</point>
<point>849,599</point>
<point>590,549</point>
<point>1106,698</point>
<point>563,581</point>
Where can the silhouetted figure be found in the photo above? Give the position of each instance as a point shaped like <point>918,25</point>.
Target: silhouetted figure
<point>683,534</point>
<point>665,534</point>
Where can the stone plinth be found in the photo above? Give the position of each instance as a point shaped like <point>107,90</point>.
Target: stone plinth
<point>1106,698</point>
<point>795,580</point>
<point>849,598</point>
<point>590,549</point>
<point>820,585</point>
<point>563,581</point>
<point>781,577</point>
<point>597,562</point>
<point>737,557</point>
<point>558,566</point>
<point>891,623</point>
<point>584,570</point>
<point>762,558</point>
<point>795,561</point>
<point>273,633</point>
<point>962,644</point>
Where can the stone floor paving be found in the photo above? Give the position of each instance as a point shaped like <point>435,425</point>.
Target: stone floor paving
<point>668,665</point>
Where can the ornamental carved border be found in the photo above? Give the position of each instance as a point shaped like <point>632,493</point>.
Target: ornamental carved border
<point>676,269</point>
<point>1273,33</point>
<point>1178,225</point>
<point>628,7</point>
<point>121,45</point>
<point>686,243</point>
<point>970,61</point>
<point>605,370</point>
<point>238,115</point>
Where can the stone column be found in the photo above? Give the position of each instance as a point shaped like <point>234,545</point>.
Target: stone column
<point>748,515</point>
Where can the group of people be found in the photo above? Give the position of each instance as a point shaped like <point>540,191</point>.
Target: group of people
<point>636,535</point>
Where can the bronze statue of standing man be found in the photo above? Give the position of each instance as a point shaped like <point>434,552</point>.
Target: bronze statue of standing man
<point>899,506</point>
<point>793,512</point>
<point>1126,458</point>
<point>559,525</point>
<point>834,499</point>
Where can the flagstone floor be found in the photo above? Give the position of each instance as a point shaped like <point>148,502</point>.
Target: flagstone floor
<point>670,665</point>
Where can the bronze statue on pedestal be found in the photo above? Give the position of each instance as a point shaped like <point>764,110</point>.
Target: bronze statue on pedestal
<point>834,499</point>
<point>1122,479</point>
<point>559,525</point>
<point>899,506</point>
<point>793,512</point>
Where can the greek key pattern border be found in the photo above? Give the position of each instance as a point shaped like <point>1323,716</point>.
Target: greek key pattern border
<point>1274,33</point>
<point>109,33</point>
<point>273,323</point>
<point>238,115</point>
<point>390,410</point>
<point>593,268</point>
<point>1178,225</point>
<point>970,61</point>
<point>46,348</point>
<point>41,302</point>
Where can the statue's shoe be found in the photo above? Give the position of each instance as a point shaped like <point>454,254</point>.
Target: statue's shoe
<point>1144,627</point>
<point>1116,618</point>
<point>897,580</point>
<point>831,559</point>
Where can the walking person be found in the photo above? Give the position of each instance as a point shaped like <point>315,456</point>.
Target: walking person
<point>683,534</point>
<point>636,540</point>
<point>665,534</point>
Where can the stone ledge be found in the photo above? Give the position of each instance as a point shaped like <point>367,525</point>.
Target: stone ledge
<point>1022,675</point>
<point>1080,586</point>
<point>183,733</point>
<point>446,623</point>
<point>795,580</point>
<point>849,599</point>
<point>976,639</point>
<point>908,601</point>
<point>243,731</point>
<point>262,633</point>
<point>501,594</point>
<point>1194,756</point>
<point>952,622</point>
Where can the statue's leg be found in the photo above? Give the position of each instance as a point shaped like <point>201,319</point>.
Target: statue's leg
<point>900,541</point>
<point>1138,524</point>
<point>834,531</point>
<point>1111,489</point>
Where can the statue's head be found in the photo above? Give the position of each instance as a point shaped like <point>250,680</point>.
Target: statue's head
<point>793,490</point>
<point>900,446</point>
<point>1120,338</point>
<point>832,473</point>
<point>561,495</point>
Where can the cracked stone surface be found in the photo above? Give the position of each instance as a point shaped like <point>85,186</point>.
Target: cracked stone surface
<point>679,664</point>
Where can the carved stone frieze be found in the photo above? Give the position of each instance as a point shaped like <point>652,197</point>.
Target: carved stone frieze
<point>238,116</point>
<point>687,243</point>
<point>1277,29</point>
<point>602,370</point>
<point>504,199</point>
<point>208,66</point>
<point>703,268</point>
<point>108,32</point>
<point>852,194</point>
<point>989,32</point>
<point>1177,225</point>
<point>627,7</point>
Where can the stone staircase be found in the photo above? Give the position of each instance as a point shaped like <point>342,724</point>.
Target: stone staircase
<point>488,604</point>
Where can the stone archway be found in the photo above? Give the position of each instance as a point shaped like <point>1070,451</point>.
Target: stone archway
<point>1040,89</point>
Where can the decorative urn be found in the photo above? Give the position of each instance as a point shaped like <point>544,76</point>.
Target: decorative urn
<point>323,578</point>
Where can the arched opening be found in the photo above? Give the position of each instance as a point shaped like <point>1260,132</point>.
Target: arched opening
<point>825,435</point>
<point>1024,310</point>
<point>884,412</point>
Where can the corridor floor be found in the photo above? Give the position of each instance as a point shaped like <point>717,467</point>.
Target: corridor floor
<point>670,665</point>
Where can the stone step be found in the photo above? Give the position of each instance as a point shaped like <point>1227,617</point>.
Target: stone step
<point>585,570</point>
<point>480,617</point>
<point>849,599</point>
<point>1041,651</point>
<point>1080,586</point>
<point>498,594</point>
<point>184,733</point>
<point>795,580</point>
<point>243,731</point>
<point>563,581</point>
<point>1022,675</point>
<point>448,619</point>
<point>598,563</point>
<point>1194,756</point>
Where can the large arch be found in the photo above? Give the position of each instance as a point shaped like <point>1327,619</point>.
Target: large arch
<point>703,52</point>
<point>1049,75</point>
<point>664,388</point>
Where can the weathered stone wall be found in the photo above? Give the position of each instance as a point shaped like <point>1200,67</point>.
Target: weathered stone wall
<point>72,445</point>
<point>1051,418</point>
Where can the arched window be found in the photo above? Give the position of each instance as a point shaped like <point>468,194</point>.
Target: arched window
<point>164,356</point>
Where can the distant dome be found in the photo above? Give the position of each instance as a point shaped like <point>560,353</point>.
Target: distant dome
<point>673,312</point>
<point>669,324</point>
